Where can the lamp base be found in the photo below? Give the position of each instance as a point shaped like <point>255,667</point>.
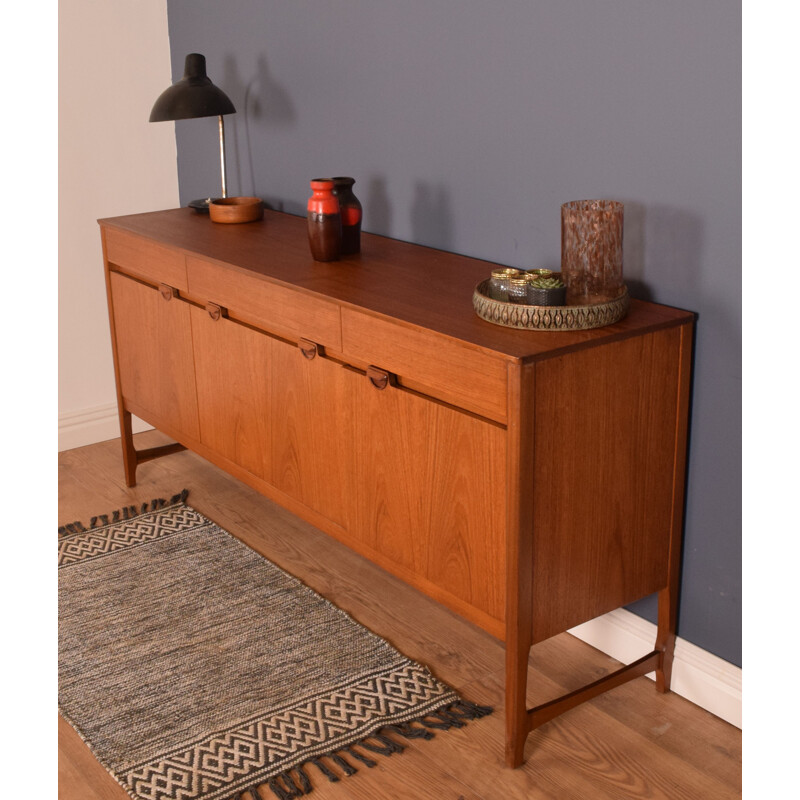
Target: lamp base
<point>200,206</point>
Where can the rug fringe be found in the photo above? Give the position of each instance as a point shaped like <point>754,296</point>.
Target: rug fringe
<point>366,760</point>
<point>120,514</point>
<point>344,764</point>
<point>409,732</point>
<point>295,782</point>
<point>386,748</point>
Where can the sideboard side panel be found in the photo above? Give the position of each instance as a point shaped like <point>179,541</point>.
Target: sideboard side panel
<point>603,483</point>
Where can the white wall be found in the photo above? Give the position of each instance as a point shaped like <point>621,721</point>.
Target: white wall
<point>113,63</point>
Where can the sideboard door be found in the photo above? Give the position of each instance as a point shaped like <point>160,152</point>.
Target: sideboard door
<point>233,390</point>
<point>430,483</point>
<point>154,354</point>
<point>311,408</point>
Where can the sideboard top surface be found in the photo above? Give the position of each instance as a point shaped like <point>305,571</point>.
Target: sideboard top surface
<point>416,285</point>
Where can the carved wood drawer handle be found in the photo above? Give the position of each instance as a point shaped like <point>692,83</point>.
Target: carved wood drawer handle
<point>379,378</point>
<point>167,292</point>
<point>308,349</point>
<point>214,311</point>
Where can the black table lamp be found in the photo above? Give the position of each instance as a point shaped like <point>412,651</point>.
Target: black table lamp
<point>191,97</point>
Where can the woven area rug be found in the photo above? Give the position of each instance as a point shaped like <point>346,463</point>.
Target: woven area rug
<point>194,668</point>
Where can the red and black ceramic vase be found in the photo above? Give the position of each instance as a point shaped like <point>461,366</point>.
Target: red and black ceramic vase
<point>351,211</point>
<point>324,221</point>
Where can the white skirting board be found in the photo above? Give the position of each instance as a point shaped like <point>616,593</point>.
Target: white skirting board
<point>90,425</point>
<point>705,679</point>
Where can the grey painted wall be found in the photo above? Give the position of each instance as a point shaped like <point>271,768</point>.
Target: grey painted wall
<point>467,123</point>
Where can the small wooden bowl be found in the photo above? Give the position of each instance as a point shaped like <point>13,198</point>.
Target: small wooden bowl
<point>236,209</point>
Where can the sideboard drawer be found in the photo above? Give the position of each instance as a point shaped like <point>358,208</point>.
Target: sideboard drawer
<point>277,308</point>
<point>425,360</point>
<point>146,259</point>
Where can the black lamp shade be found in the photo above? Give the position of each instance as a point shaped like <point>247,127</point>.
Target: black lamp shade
<point>193,96</point>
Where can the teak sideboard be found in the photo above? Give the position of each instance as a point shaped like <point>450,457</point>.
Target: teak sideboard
<point>528,480</point>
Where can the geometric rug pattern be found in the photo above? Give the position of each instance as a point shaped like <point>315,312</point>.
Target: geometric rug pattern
<point>196,669</point>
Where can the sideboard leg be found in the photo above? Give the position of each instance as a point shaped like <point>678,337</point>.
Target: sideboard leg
<point>128,450</point>
<point>519,557</point>
<point>665,639</point>
<point>668,597</point>
<point>517,727</point>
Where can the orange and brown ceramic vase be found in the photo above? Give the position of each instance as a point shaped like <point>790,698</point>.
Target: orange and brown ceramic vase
<point>324,221</point>
<point>351,211</point>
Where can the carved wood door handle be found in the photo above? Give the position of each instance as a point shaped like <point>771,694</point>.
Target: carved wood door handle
<point>167,292</point>
<point>379,378</point>
<point>308,348</point>
<point>214,311</point>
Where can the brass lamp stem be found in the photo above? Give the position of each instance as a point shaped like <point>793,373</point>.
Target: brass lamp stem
<point>222,154</point>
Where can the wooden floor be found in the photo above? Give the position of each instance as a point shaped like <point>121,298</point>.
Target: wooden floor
<point>629,743</point>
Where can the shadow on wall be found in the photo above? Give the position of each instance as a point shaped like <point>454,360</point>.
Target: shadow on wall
<point>662,252</point>
<point>258,99</point>
<point>431,216</point>
<point>674,249</point>
<point>633,251</point>
<point>662,248</point>
<point>377,208</point>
